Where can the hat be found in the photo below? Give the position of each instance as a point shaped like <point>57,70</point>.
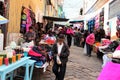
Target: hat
<point>60,28</point>
<point>42,42</point>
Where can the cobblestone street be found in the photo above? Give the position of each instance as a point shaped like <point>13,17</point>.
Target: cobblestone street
<point>79,67</point>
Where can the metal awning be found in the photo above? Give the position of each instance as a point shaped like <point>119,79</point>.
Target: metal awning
<point>55,18</point>
<point>3,20</point>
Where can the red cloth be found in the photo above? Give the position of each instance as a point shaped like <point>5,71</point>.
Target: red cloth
<point>90,39</point>
<point>50,41</point>
<point>33,53</point>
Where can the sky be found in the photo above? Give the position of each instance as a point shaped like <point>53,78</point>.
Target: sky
<point>72,8</point>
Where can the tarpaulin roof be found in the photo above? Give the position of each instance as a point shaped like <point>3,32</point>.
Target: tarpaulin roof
<point>55,18</point>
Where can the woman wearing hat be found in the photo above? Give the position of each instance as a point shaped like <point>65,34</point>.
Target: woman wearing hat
<point>89,42</point>
<point>60,52</point>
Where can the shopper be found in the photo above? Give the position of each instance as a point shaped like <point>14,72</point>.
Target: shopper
<point>69,36</point>
<point>60,56</point>
<point>30,35</point>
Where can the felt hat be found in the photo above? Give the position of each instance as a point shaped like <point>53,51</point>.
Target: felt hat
<point>42,42</point>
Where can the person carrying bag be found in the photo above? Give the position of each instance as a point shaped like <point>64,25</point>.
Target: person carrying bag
<point>60,52</point>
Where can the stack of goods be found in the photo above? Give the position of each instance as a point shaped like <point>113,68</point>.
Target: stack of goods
<point>41,54</point>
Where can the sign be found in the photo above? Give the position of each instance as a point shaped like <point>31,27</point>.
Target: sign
<point>1,42</point>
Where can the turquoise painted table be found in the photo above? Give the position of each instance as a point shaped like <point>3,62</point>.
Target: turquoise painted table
<point>22,62</point>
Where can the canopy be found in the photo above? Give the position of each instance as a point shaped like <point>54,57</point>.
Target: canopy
<point>77,19</point>
<point>60,23</point>
<point>3,20</point>
<point>55,18</point>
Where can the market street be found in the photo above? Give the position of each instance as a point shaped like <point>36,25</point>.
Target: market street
<point>79,67</point>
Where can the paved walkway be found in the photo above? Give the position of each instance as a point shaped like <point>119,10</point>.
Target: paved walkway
<point>79,67</point>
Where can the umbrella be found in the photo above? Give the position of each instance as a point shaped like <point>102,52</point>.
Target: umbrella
<point>3,20</point>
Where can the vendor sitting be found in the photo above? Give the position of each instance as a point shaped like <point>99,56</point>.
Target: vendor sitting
<point>30,35</point>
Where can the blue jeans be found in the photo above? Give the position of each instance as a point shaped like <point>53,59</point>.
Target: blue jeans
<point>89,49</point>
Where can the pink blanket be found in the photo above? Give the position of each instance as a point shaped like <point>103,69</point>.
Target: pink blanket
<point>110,72</point>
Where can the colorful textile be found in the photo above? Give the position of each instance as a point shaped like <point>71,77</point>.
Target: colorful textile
<point>35,54</point>
<point>105,42</point>
<point>118,48</point>
<point>111,71</point>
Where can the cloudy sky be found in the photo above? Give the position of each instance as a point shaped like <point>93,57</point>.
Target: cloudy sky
<point>72,8</point>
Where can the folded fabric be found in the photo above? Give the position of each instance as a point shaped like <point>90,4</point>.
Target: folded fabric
<point>111,71</point>
<point>39,63</point>
<point>33,53</point>
<point>26,49</point>
<point>116,54</point>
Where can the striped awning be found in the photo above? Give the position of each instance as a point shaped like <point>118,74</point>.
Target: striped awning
<point>3,20</point>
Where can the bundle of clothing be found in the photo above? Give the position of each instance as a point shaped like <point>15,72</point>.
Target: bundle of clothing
<point>109,48</point>
<point>108,51</point>
<point>41,54</point>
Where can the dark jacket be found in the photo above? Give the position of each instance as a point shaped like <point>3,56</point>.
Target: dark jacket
<point>64,53</point>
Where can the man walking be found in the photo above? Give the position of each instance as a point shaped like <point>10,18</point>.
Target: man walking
<point>60,53</point>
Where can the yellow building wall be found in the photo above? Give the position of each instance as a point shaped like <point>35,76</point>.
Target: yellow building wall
<point>15,12</point>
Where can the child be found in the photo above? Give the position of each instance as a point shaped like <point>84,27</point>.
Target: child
<point>60,53</point>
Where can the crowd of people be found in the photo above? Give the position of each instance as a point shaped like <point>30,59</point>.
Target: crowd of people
<point>59,42</point>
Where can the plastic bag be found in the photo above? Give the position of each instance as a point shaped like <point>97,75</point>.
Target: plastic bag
<point>58,60</point>
<point>85,51</point>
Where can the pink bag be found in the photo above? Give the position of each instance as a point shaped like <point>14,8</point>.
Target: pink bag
<point>111,71</point>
